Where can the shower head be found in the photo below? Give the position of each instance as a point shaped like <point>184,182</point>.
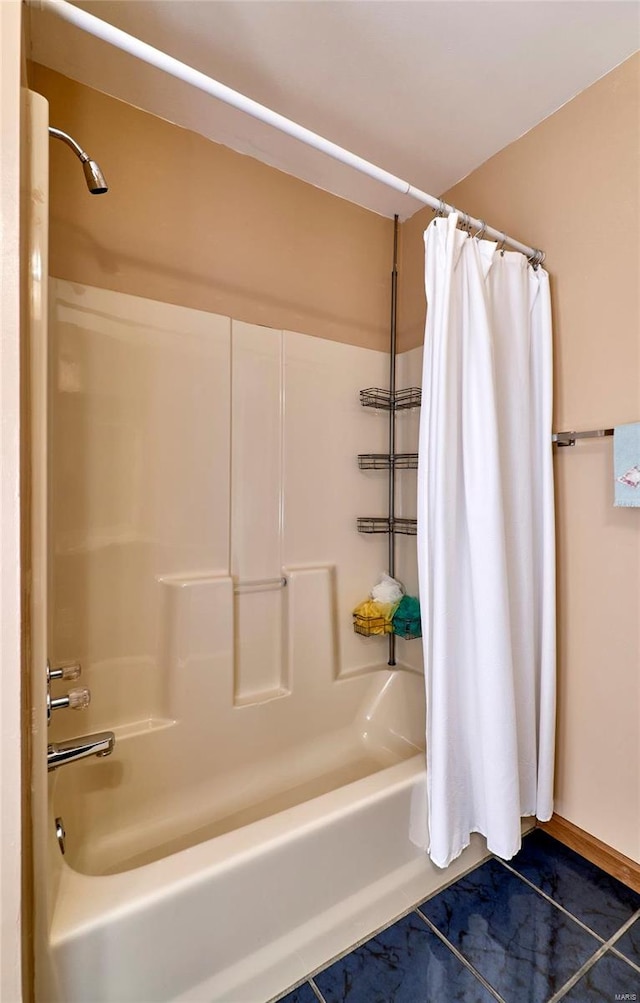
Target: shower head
<point>94,177</point>
<point>92,173</point>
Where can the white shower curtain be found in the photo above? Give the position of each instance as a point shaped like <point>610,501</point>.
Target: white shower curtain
<point>486,548</point>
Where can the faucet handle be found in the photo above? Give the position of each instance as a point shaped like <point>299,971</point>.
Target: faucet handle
<point>69,672</point>
<point>76,699</point>
<point>79,698</point>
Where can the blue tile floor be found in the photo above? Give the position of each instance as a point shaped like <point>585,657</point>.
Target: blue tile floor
<point>543,927</point>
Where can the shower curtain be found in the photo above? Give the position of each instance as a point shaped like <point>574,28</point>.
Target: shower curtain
<point>486,547</point>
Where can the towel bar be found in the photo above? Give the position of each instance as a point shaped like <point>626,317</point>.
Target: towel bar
<point>569,438</point>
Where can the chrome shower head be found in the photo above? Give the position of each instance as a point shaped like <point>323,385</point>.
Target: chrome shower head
<point>94,177</point>
<point>92,173</point>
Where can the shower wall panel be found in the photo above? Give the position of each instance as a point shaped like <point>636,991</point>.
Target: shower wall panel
<point>325,491</point>
<point>256,509</point>
<point>195,462</point>
<point>256,452</point>
<point>140,432</point>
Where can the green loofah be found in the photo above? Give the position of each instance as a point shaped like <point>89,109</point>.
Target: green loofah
<point>406,619</point>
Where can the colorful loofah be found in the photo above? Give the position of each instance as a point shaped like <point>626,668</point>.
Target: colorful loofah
<point>372,617</point>
<point>406,618</point>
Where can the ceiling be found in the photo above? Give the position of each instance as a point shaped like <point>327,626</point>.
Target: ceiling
<point>427,90</point>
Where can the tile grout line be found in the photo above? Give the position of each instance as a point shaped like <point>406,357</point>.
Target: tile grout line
<point>552,901</point>
<point>575,978</point>
<point>317,991</point>
<point>623,957</point>
<point>623,929</point>
<point>467,964</point>
<point>593,960</point>
<point>618,936</point>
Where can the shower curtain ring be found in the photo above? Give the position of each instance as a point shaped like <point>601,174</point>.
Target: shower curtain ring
<point>536,259</point>
<point>440,211</point>
<point>501,245</point>
<point>481,232</point>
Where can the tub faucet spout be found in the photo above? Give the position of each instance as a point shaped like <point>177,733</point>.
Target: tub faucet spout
<point>101,744</point>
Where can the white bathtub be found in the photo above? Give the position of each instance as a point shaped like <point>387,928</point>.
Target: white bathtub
<point>226,897</point>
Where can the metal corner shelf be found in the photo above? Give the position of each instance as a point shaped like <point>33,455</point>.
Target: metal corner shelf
<point>371,626</point>
<point>409,630</point>
<point>383,461</point>
<point>391,400</point>
<point>373,524</point>
<point>380,524</point>
<point>407,527</point>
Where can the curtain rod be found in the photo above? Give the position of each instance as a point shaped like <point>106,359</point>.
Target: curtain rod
<point>141,50</point>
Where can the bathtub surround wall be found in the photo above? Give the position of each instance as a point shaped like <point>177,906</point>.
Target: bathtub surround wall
<point>208,235</point>
<point>199,461</point>
<point>552,186</point>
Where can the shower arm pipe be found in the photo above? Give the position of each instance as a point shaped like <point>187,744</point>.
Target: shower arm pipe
<point>154,57</point>
<point>77,149</point>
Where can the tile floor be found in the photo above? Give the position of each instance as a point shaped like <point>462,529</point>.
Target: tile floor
<point>546,926</point>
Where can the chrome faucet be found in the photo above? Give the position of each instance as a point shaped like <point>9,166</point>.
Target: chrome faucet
<point>58,753</point>
<point>101,744</point>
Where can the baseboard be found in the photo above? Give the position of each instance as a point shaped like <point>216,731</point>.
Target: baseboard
<point>612,861</point>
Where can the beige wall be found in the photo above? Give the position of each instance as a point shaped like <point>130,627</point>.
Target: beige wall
<point>192,223</point>
<point>571,187</point>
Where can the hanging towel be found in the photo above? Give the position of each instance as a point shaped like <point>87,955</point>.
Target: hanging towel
<point>626,465</point>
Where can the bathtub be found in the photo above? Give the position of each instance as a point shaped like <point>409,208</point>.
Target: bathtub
<point>256,871</point>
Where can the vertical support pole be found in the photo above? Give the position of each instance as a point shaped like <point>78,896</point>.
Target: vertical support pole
<point>392,424</point>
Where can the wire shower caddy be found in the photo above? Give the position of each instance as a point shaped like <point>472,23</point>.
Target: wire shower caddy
<point>391,400</point>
